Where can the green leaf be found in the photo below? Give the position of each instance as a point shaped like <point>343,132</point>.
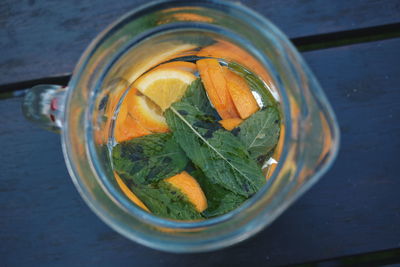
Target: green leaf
<point>163,200</point>
<point>219,199</point>
<point>149,158</point>
<point>196,95</point>
<point>260,132</point>
<point>220,155</point>
<point>255,83</point>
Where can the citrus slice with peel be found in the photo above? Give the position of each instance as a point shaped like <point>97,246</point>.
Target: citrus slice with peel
<point>124,188</point>
<point>215,83</point>
<point>146,56</point>
<point>230,124</point>
<point>179,65</point>
<point>148,114</point>
<point>129,129</point>
<point>164,86</point>
<point>122,114</point>
<point>242,97</point>
<point>191,188</point>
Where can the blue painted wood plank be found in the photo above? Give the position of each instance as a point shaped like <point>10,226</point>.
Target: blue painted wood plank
<point>42,38</point>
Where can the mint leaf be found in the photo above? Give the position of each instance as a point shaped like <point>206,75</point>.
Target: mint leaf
<point>220,155</point>
<point>196,95</point>
<point>260,132</point>
<point>163,200</point>
<point>255,83</point>
<point>219,199</point>
<point>149,158</point>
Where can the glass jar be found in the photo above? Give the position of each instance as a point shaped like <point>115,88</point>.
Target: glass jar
<point>143,38</point>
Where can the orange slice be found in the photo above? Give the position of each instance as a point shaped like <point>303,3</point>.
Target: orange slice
<point>147,56</point>
<point>164,86</point>
<point>231,52</point>
<point>191,188</point>
<point>186,16</point>
<point>180,65</point>
<point>148,115</point>
<point>129,129</point>
<point>242,97</point>
<point>214,81</point>
<point>122,114</point>
<point>129,193</point>
<point>230,124</point>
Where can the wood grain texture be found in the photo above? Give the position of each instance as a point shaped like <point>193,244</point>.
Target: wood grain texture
<point>355,208</point>
<point>42,38</point>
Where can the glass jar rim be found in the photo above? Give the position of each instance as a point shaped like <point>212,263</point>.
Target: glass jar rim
<point>254,19</point>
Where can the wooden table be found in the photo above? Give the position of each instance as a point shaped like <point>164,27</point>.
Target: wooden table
<point>351,216</point>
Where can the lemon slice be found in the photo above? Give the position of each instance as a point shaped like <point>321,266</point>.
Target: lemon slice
<point>164,86</point>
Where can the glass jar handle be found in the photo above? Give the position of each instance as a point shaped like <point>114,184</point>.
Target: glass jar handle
<point>44,105</point>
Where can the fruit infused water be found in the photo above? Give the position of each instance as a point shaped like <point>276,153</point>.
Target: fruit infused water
<point>197,135</point>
